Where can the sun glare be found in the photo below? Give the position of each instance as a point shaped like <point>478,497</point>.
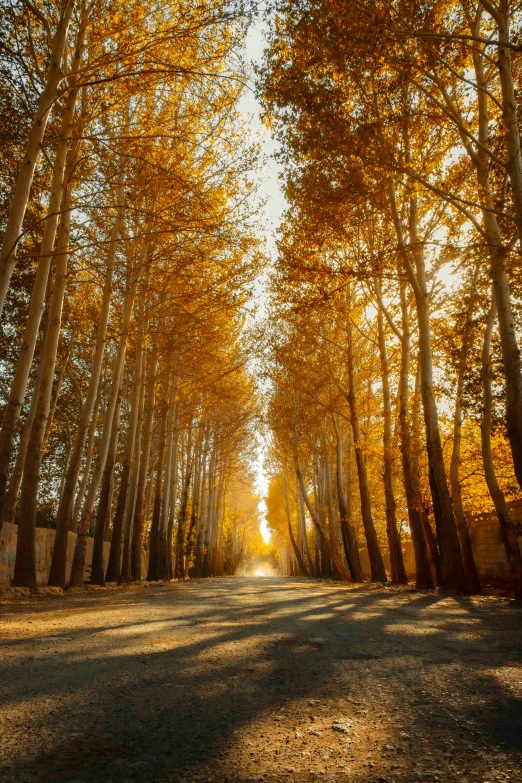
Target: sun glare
<point>264,571</point>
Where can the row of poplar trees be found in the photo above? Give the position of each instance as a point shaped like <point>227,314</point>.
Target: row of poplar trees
<point>126,258</point>
<point>396,402</point>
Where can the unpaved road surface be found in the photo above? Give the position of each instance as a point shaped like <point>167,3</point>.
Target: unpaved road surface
<point>260,679</point>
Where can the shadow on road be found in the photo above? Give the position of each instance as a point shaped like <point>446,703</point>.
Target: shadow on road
<point>173,684</point>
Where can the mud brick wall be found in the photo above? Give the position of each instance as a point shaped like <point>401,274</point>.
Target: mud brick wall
<point>44,553</point>
<point>486,541</point>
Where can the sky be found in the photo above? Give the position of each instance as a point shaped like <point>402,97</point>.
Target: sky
<point>271,194</point>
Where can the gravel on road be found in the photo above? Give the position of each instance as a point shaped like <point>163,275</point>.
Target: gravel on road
<point>260,679</point>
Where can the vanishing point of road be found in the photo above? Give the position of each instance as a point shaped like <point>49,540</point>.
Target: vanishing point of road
<point>261,679</point>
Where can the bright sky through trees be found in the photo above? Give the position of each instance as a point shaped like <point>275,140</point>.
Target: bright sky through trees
<point>274,205</point>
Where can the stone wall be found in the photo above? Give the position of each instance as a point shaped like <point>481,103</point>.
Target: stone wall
<point>44,553</point>
<point>486,541</point>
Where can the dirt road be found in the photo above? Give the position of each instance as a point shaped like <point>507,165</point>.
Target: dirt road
<point>260,679</point>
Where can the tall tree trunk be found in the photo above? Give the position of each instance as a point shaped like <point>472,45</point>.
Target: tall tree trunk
<point>104,507</point>
<point>195,520</point>
<point>417,449</point>
<point>424,565</point>
<point>509,112</point>
<point>88,506</point>
<point>167,485</point>
<point>302,526</point>
<point>378,571</point>
<point>25,564</point>
<point>303,571</point>
<point>33,150</point>
<point>173,493</point>
<point>56,394</point>
<point>452,571</point>
<point>153,567</point>
<point>89,453</point>
<point>137,529</point>
<point>208,515</point>
<point>454,472</point>
<point>126,570</point>
<point>333,521</point>
<point>319,494</point>
<point>398,571</point>
<point>114,564</point>
<point>497,251</point>
<point>198,565</point>
<point>323,537</point>
<point>348,532</point>
<point>509,535</point>
<point>452,566</point>
<point>57,573</point>
<point>18,470</point>
<point>181,565</point>
<point>62,171</point>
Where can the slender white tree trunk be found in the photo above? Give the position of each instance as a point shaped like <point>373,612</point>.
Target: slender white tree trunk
<point>61,172</point>
<point>114,564</point>
<point>509,536</point>
<point>125,573</point>
<point>343,572</point>
<point>167,484</point>
<point>88,506</point>
<point>138,520</point>
<point>89,453</point>
<point>25,565</point>
<point>57,574</point>
<point>33,150</point>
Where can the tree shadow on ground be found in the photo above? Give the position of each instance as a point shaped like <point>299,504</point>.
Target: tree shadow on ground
<point>163,687</point>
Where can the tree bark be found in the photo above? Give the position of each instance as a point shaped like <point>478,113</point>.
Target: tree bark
<point>344,573</point>
<point>57,573</point>
<point>425,570</point>
<point>509,535</point>
<point>88,506</point>
<point>167,486</point>
<point>454,471</point>
<point>137,529</point>
<point>302,537</point>
<point>114,564</point>
<point>453,576</point>
<point>181,565</point>
<point>349,535</point>
<point>33,150</point>
<point>126,571</point>
<point>153,567</point>
<point>509,113</point>
<point>378,572</point>
<point>18,470</point>
<point>104,508</point>
<point>303,571</point>
<point>497,251</point>
<point>25,564</point>
<point>61,173</point>
<point>173,493</point>
<point>89,453</point>
<point>398,571</point>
